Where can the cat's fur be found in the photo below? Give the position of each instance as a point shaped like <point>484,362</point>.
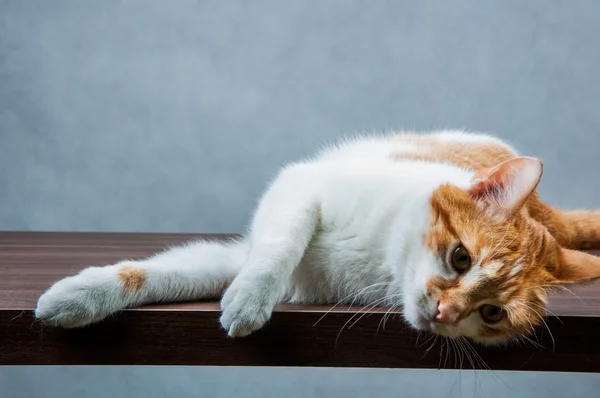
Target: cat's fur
<point>373,220</point>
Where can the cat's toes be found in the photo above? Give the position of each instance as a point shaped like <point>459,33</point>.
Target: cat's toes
<point>77,300</point>
<point>245,310</point>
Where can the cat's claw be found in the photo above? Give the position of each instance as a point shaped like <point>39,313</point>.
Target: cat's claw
<point>246,308</point>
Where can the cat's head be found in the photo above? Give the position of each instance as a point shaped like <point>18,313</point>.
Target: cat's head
<point>486,267</point>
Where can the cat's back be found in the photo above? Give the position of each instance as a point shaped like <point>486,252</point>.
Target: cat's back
<point>470,151</point>
<point>371,180</point>
<point>373,185</point>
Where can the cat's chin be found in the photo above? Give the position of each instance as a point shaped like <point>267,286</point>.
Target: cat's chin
<point>443,330</point>
<point>419,322</point>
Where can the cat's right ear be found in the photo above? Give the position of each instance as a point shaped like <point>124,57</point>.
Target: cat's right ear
<point>503,189</point>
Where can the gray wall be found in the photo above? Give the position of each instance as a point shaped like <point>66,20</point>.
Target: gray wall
<point>183,382</point>
<point>150,115</point>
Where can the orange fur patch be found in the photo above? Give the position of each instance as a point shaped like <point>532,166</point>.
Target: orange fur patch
<point>133,279</point>
<point>470,155</point>
<point>520,258</point>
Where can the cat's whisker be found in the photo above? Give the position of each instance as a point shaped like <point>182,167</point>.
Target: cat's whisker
<point>545,324</point>
<point>458,361</point>
<point>443,344</point>
<point>355,294</point>
<point>476,380</point>
<point>448,346</point>
<point>482,362</point>
<point>432,336</point>
<point>383,319</point>
<point>476,355</point>
<point>551,335</point>
<point>364,310</point>
<point>18,316</point>
<point>532,328</point>
<point>534,335</point>
<point>435,339</point>
<point>36,320</point>
<point>418,337</point>
<point>533,309</point>
<point>462,341</point>
<point>458,373</point>
<point>535,344</point>
<point>362,291</point>
<point>386,318</point>
<point>543,308</point>
<point>368,310</point>
<point>455,354</point>
<point>467,353</point>
<point>570,291</point>
<point>458,355</point>
<point>462,354</point>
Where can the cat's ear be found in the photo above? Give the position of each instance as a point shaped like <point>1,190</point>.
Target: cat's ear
<point>504,188</point>
<point>577,267</point>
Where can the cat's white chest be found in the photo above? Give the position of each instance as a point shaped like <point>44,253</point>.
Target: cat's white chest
<point>361,203</point>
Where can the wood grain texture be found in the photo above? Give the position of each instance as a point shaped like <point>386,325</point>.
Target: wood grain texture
<point>189,333</point>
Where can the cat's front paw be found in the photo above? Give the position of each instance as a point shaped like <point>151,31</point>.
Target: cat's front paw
<point>247,305</point>
<point>80,300</point>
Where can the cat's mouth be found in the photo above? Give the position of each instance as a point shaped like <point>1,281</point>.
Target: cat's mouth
<point>420,322</point>
<point>444,330</point>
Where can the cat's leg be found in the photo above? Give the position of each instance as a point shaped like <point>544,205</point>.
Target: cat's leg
<point>194,271</point>
<point>283,226</point>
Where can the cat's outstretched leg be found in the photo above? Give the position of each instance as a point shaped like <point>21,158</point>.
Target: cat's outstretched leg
<point>283,226</point>
<point>197,270</point>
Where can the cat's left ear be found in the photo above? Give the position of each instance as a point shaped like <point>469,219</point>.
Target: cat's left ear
<point>576,267</point>
<point>504,188</point>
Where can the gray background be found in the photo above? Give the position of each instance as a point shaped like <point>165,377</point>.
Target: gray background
<point>171,116</point>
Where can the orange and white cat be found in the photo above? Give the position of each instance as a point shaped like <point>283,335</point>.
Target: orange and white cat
<point>445,225</point>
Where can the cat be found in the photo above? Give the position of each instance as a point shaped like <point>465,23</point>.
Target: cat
<point>446,225</point>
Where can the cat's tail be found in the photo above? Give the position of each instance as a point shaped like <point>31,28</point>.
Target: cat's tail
<point>580,229</point>
<point>577,229</point>
<point>198,270</point>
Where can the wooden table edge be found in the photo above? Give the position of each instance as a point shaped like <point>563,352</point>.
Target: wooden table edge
<point>297,335</point>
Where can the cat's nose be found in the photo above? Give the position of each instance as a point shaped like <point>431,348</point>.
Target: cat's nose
<point>444,314</point>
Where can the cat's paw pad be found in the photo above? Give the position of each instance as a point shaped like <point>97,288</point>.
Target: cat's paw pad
<point>78,300</point>
<point>246,309</point>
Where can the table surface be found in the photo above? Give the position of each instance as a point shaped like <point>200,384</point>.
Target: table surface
<point>189,333</point>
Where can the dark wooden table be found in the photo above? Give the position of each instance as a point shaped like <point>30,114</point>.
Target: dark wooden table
<point>189,334</point>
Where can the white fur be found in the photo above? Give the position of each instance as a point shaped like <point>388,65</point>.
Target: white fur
<point>345,226</point>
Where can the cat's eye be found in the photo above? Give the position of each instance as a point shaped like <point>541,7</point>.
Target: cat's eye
<point>491,313</point>
<point>461,259</point>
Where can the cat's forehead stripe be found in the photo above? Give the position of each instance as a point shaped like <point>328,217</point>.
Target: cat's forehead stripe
<point>516,268</point>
